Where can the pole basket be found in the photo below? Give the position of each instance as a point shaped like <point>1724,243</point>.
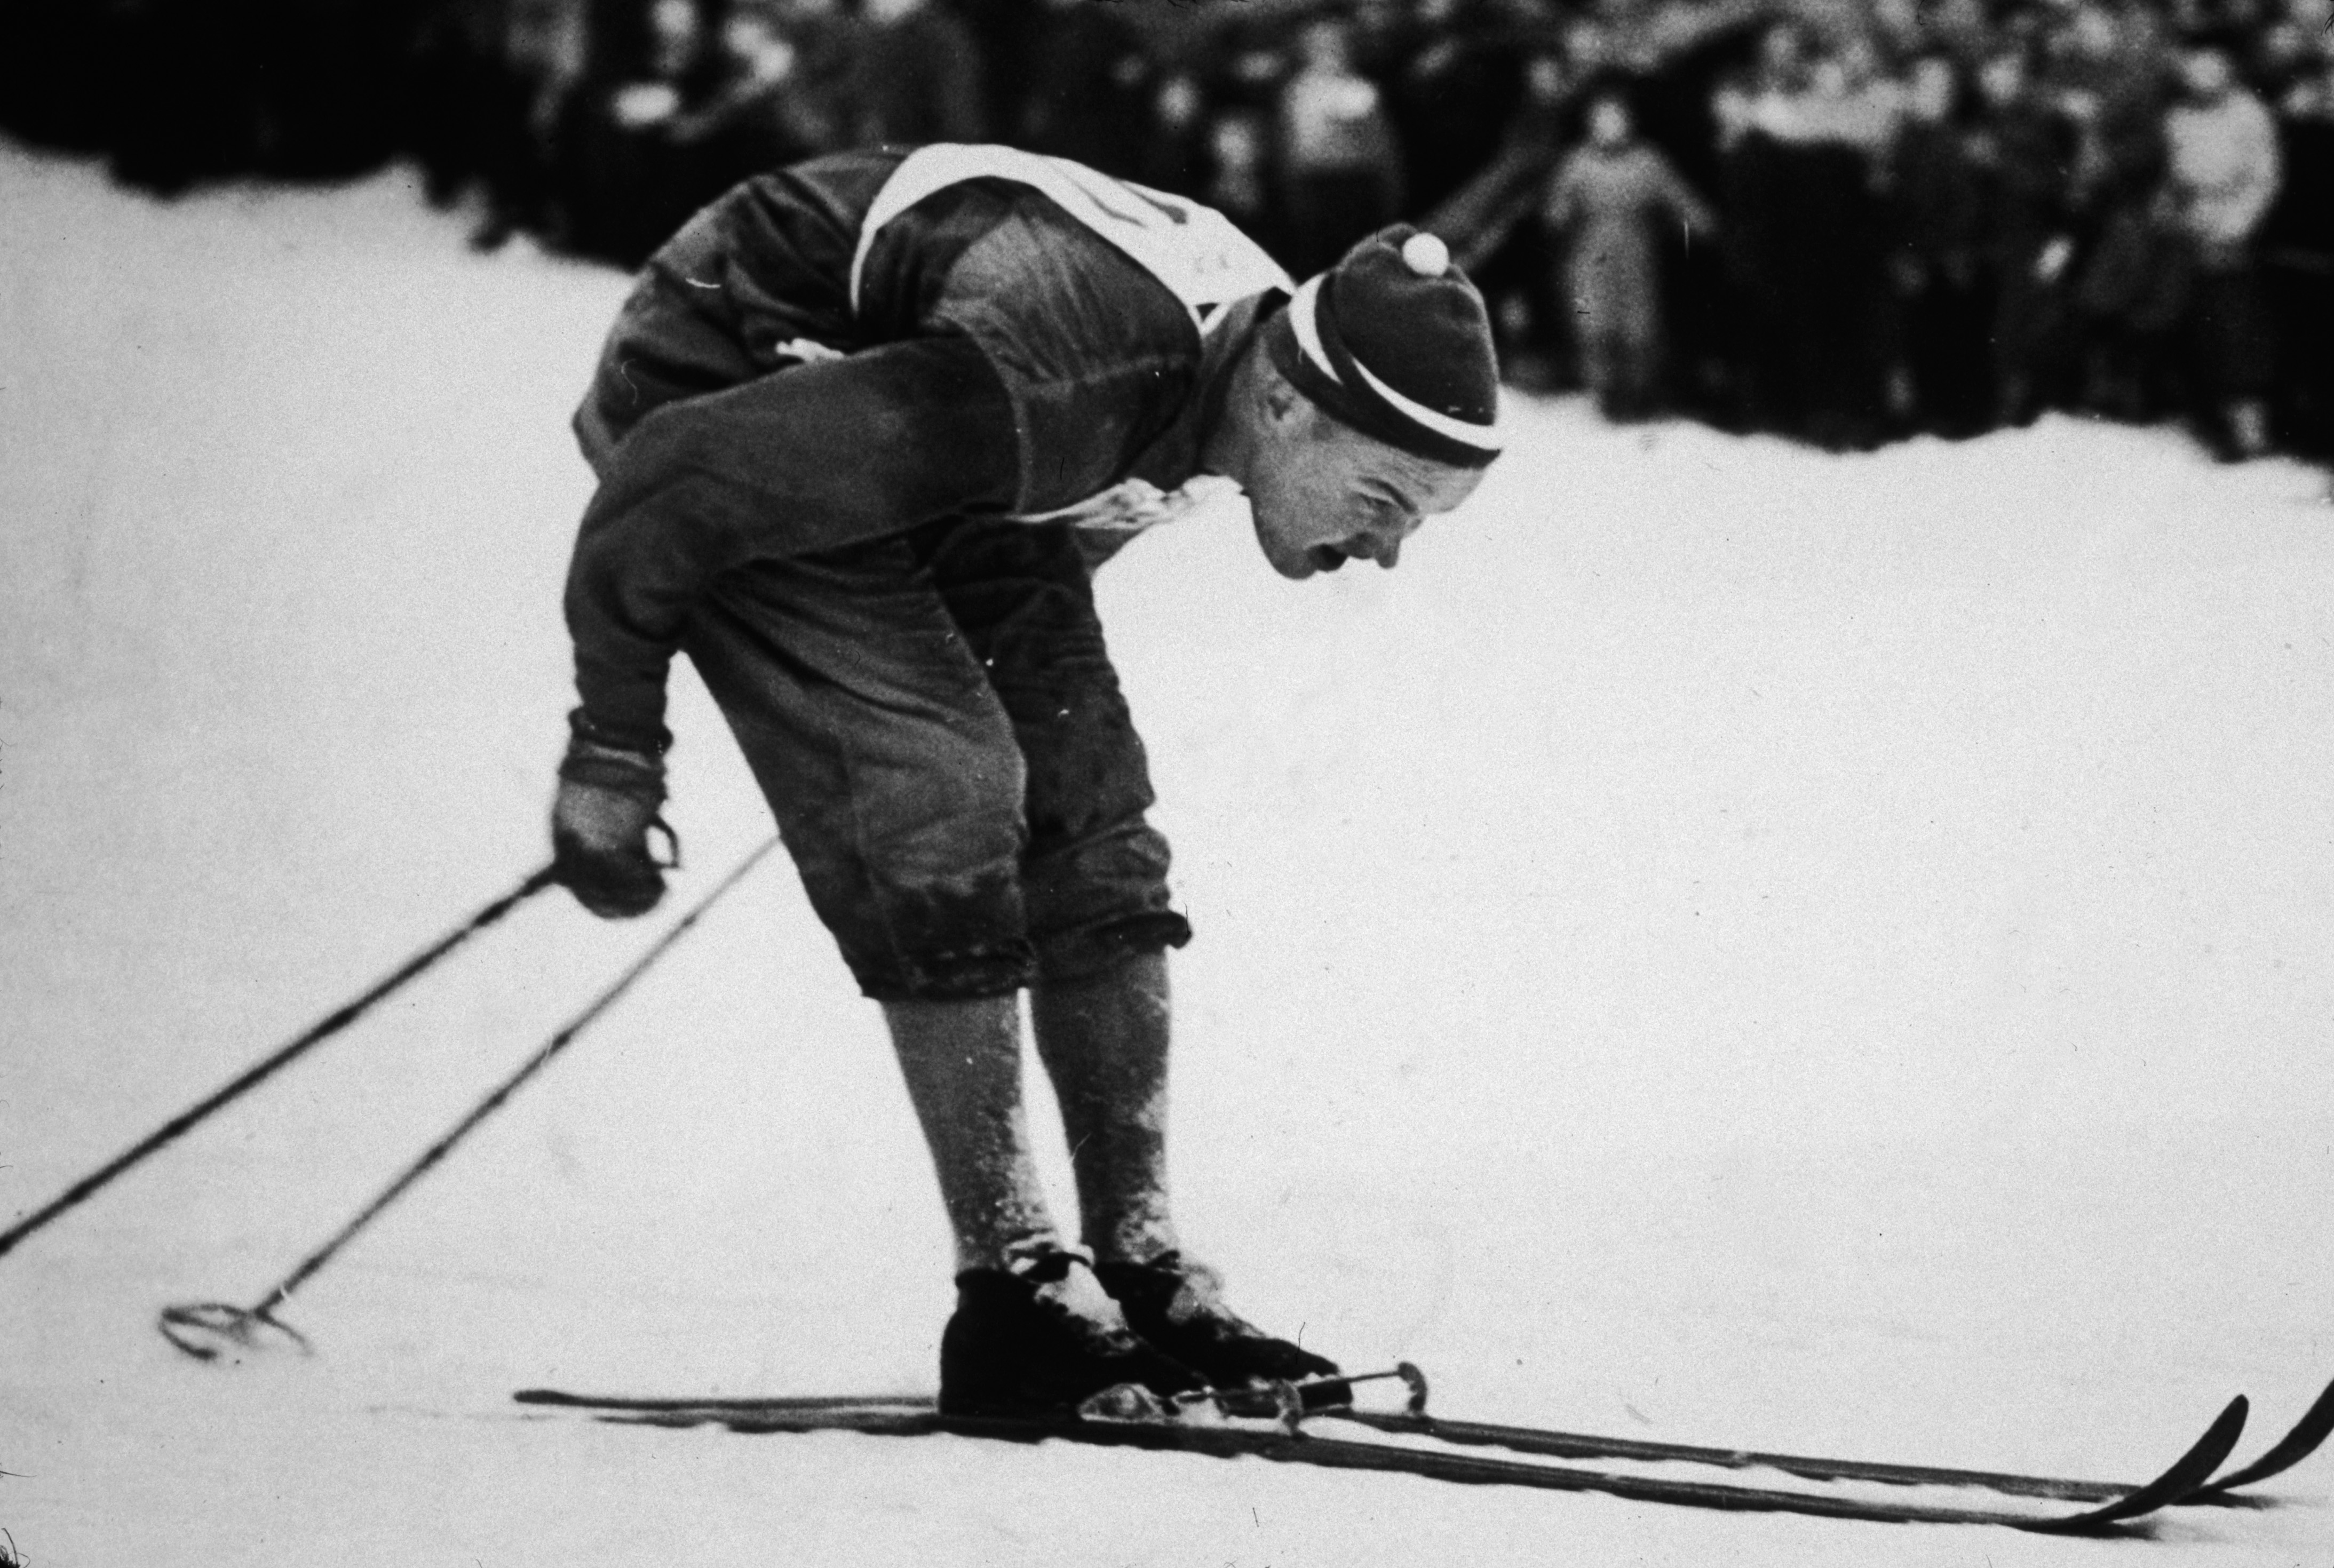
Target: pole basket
<point>214,1331</point>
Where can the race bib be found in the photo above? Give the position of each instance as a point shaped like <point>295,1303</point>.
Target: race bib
<point>1193,250</point>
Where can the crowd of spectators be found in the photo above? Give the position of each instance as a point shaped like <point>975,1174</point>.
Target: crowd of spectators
<point>1950,219</point>
<point>1843,220</point>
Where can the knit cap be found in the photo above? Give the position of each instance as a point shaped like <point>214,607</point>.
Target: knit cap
<point>1394,341</point>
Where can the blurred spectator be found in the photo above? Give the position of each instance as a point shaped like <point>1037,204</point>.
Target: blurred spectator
<point>196,85</point>
<point>464,97</point>
<point>1339,170</point>
<point>625,179</point>
<point>754,118</point>
<point>1758,242</point>
<point>1512,256</point>
<point>1934,239</point>
<point>1838,318</point>
<point>2298,248</point>
<point>1239,161</point>
<point>1609,202</point>
<point>2025,150</point>
<point>787,85</point>
<point>1088,82</point>
<point>819,96</point>
<point>1896,251</point>
<point>918,76</point>
<point>2130,282</point>
<point>2222,177</point>
<point>489,81</point>
<point>1453,74</point>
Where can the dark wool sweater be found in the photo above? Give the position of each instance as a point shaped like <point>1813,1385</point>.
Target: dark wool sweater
<point>1002,359</point>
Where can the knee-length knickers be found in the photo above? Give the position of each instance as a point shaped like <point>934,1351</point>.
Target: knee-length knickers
<point>936,724</point>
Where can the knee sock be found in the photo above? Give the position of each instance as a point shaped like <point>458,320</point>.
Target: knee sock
<point>1104,1042</point>
<point>962,1061</point>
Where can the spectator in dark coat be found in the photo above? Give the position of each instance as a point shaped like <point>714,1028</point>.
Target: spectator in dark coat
<point>627,175</point>
<point>791,88</point>
<point>1340,173</point>
<point>1239,182</point>
<point>2128,285</point>
<point>2297,251</point>
<point>1841,317</point>
<point>1611,201</point>
<point>1934,235</point>
<point>1459,76</point>
<point>2222,175</point>
<point>920,76</point>
<point>1759,243</point>
<point>2026,151</point>
<point>1088,89</point>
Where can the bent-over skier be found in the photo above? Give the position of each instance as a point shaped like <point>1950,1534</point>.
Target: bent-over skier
<point>863,429</point>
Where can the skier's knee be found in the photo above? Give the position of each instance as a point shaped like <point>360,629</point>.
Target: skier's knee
<point>1084,952</point>
<point>1095,901</point>
<point>933,916</point>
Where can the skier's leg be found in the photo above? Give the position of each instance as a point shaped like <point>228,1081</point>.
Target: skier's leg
<point>1103,1041</point>
<point>891,770</point>
<point>897,781</point>
<point>962,1061</point>
<point>1095,876</point>
<point>1034,1330</point>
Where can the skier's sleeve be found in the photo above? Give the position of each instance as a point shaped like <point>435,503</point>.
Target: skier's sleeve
<point>810,458</point>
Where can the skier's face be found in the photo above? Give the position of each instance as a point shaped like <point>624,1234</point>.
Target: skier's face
<point>1332,494</point>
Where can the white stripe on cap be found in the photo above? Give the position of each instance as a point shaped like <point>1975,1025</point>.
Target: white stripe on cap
<point>1302,317</point>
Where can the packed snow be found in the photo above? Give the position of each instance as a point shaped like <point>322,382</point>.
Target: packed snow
<point>1728,943</point>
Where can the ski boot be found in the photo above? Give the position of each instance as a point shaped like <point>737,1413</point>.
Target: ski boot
<point>1177,1306</point>
<point>1041,1339</point>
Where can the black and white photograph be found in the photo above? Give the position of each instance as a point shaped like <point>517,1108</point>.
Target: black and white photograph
<point>1167,783</point>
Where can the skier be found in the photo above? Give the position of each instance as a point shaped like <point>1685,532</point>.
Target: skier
<point>863,429</point>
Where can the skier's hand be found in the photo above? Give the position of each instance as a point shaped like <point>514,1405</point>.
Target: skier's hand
<point>599,826</point>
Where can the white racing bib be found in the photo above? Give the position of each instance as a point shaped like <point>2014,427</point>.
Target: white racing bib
<point>1193,250</point>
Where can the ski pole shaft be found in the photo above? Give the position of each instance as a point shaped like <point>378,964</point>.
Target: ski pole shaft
<point>283,1056</point>
<point>502,1091</point>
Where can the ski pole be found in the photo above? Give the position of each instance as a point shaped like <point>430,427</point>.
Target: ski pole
<point>192,1326</point>
<point>283,1056</point>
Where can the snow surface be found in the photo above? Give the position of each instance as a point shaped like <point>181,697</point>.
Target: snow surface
<point>1729,943</point>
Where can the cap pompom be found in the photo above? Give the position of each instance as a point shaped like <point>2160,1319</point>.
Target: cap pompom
<point>1426,254</point>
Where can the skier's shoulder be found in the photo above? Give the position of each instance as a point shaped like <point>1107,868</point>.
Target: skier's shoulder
<point>1092,298</point>
<point>1003,260</point>
<point>782,240</point>
<point>1013,222</point>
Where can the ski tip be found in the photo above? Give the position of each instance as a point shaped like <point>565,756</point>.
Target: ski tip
<point>2185,1477</point>
<point>2317,1424</point>
<point>2233,1418</point>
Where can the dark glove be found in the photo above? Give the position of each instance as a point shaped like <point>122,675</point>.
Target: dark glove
<point>600,822</point>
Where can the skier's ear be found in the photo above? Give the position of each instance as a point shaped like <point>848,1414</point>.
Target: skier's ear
<point>1284,405</point>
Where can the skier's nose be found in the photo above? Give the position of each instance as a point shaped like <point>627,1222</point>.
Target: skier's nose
<point>1382,543</point>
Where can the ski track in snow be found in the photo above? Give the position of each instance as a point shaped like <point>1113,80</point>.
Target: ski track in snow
<point>1729,944</point>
